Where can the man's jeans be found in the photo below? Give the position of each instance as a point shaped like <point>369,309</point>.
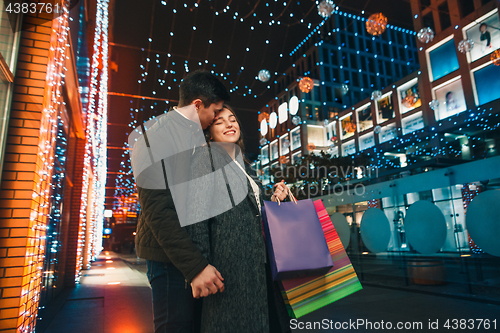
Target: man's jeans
<point>173,304</point>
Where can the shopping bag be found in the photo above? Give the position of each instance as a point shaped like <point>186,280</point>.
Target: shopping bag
<point>308,294</point>
<point>295,240</point>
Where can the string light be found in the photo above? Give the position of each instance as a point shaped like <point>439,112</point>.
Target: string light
<point>43,187</point>
<point>349,15</point>
<point>92,206</point>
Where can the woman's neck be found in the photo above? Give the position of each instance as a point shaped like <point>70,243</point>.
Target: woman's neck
<point>230,148</point>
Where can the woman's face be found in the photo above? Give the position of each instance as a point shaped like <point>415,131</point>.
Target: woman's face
<point>225,127</point>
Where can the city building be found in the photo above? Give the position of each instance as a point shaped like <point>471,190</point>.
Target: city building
<point>53,156</point>
<point>346,64</point>
<point>431,136</point>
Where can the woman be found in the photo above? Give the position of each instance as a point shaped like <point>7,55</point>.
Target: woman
<point>233,241</point>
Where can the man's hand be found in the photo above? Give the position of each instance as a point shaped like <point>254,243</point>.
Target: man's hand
<point>207,282</point>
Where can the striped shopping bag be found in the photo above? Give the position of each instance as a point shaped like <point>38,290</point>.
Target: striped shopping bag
<point>308,294</point>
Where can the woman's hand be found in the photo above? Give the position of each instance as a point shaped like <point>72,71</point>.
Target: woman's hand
<point>281,192</point>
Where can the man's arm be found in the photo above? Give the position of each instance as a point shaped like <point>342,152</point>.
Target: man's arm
<point>177,244</point>
<point>161,219</point>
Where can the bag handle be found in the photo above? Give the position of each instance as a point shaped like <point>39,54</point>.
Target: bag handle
<point>290,195</point>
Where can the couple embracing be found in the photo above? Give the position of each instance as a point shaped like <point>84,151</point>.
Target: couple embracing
<point>200,227</point>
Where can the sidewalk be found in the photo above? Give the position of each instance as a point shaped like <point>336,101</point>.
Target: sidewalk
<point>119,301</point>
<point>111,298</point>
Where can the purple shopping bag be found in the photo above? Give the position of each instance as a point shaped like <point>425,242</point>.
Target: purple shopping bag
<point>295,240</point>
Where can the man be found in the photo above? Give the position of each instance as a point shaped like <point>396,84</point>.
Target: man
<point>177,270</point>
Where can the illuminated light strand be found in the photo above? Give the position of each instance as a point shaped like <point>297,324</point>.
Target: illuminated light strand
<point>348,15</point>
<point>92,206</point>
<point>42,189</point>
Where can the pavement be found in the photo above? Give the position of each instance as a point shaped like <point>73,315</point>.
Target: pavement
<point>111,297</point>
<point>114,297</point>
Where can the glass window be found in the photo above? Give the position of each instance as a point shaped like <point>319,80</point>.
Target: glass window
<point>266,179</point>
<point>348,126</point>
<point>409,96</point>
<point>485,32</point>
<point>385,48</point>
<point>487,82</point>
<point>264,155</point>
<point>274,150</point>
<point>348,148</point>
<point>335,58</point>
<point>332,112</point>
<point>447,193</point>
<point>335,151</point>
<point>398,71</point>
<point>307,108</point>
<point>328,76</point>
<point>295,138</point>
<point>284,145</point>
<point>387,133</point>
<point>316,135</point>
<point>296,157</point>
<point>338,95</point>
<point>397,201</point>
<point>329,96</point>
<point>371,65</point>
<point>385,110</point>
<point>369,46</point>
<point>352,44</point>
<point>412,123</point>
<point>354,61</point>
<point>366,141</point>
<point>466,7</point>
<point>451,99</point>
<point>365,120</point>
<point>8,28</point>
<point>444,16</point>
<point>424,4</point>
<point>388,69</point>
<point>336,74</point>
<point>9,40</point>
<point>443,60</point>
<point>343,39</point>
<point>326,57</point>
<point>331,132</point>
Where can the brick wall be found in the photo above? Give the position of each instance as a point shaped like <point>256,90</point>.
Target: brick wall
<point>17,238</point>
<point>20,239</point>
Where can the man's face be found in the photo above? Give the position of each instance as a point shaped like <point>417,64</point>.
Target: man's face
<point>208,114</point>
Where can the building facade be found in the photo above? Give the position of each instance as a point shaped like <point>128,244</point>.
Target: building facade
<point>346,64</point>
<point>422,149</point>
<point>52,153</point>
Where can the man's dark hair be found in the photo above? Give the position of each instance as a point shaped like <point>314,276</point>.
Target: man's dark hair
<point>203,85</point>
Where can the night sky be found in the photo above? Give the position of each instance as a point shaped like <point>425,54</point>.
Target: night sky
<point>180,36</point>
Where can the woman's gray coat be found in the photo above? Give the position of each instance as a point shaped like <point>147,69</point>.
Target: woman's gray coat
<point>234,243</point>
